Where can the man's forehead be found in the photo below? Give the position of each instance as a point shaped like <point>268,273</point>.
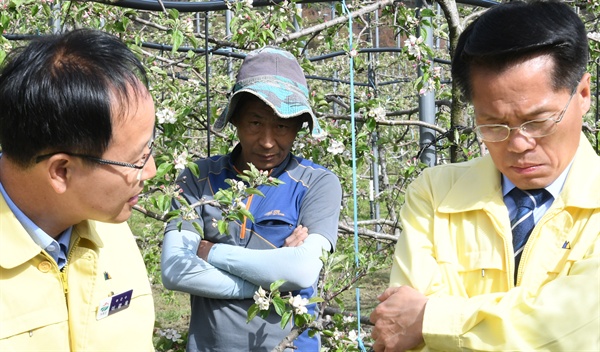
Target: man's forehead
<point>272,117</point>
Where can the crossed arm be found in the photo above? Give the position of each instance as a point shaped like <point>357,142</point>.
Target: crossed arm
<point>223,271</point>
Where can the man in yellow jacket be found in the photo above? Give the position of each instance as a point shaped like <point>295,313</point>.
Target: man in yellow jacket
<point>76,130</point>
<point>464,277</point>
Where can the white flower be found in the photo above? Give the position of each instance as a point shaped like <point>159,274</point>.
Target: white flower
<point>352,335</point>
<point>170,334</point>
<point>166,116</point>
<point>263,303</point>
<point>595,36</point>
<point>261,299</point>
<point>248,3</point>
<point>239,204</point>
<point>378,113</point>
<point>336,147</point>
<point>299,303</point>
<point>188,27</point>
<point>353,53</point>
<point>337,334</point>
<point>349,319</point>
<point>181,160</point>
<point>412,45</point>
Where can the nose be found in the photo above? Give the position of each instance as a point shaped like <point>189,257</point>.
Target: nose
<point>267,138</point>
<point>520,142</point>
<point>149,170</point>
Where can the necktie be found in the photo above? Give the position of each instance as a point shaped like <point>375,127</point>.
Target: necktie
<point>522,223</point>
<point>62,259</point>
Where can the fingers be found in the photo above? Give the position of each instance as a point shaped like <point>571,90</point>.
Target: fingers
<point>387,293</point>
<point>297,237</point>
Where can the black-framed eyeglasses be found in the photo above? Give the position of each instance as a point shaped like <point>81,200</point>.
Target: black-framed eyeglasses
<point>140,166</point>
<point>534,128</point>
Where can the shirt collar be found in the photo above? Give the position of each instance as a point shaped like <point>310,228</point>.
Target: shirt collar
<point>554,188</point>
<point>39,236</point>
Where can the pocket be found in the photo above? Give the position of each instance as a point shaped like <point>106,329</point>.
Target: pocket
<point>271,231</point>
<point>30,321</point>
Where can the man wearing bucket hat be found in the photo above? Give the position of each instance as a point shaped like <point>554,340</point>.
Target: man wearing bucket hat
<point>293,223</point>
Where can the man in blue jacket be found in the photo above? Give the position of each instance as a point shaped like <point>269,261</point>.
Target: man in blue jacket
<point>293,223</point>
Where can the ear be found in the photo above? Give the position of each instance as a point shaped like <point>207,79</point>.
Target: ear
<point>59,171</point>
<point>584,93</point>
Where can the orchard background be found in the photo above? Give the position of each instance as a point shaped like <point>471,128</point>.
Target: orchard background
<point>383,95</point>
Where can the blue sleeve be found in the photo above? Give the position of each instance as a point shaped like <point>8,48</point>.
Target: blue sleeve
<point>182,270</point>
<point>298,266</point>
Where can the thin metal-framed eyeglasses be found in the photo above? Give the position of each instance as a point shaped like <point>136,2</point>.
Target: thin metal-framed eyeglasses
<point>139,167</point>
<point>534,128</point>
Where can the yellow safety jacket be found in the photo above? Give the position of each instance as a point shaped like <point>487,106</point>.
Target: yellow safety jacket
<point>44,309</point>
<point>456,247</point>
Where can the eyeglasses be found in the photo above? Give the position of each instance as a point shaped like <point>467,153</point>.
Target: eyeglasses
<point>534,128</point>
<point>140,166</point>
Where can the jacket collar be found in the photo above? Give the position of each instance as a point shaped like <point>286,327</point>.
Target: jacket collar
<point>582,185</point>
<point>17,247</point>
<point>482,179</point>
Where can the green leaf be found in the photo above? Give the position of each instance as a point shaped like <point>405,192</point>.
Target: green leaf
<point>163,203</point>
<point>301,319</point>
<point>247,214</point>
<point>427,13</point>
<point>371,124</point>
<point>173,13</point>
<point>251,190</point>
<point>222,227</point>
<point>276,285</point>
<point>252,312</point>
<point>198,228</point>
<point>285,318</point>
<point>279,305</point>
<point>315,300</point>
<point>4,21</point>
<point>194,169</point>
<point>163,169</point>
<point>177,40</point>
<point>173,214</point>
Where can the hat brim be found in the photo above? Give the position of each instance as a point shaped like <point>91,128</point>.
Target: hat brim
<point>286,100</point>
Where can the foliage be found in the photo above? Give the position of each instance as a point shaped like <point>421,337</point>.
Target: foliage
<point>190,88</point>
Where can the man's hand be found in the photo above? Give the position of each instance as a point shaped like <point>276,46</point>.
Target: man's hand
<point>204,249</point>
<point>398,319</point>
<point>297,237</point>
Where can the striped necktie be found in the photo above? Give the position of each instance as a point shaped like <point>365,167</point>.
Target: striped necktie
<point>522,223</point>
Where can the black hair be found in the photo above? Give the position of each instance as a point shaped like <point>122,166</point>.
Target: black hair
<point>513,32</point>
<point>60,92</point>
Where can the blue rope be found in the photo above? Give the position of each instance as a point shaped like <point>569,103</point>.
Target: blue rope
<point>354,192</point>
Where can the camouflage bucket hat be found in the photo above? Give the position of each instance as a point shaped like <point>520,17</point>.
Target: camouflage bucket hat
<point>274,76</point>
